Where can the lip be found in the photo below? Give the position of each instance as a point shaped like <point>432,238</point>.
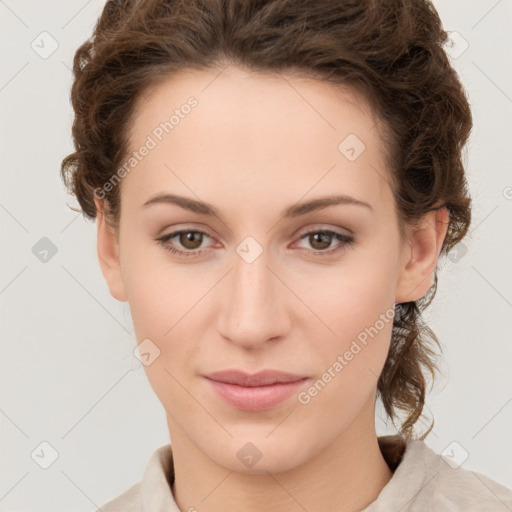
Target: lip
<point>255,392</point>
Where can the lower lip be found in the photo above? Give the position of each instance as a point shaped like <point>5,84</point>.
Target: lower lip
<point>257,398</point>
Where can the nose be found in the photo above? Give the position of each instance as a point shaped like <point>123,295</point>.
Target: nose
<point>254,305</point>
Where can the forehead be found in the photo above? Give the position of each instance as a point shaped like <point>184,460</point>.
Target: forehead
<point>216,132</point>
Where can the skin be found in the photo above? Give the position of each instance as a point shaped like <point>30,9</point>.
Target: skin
<point>254,145</point>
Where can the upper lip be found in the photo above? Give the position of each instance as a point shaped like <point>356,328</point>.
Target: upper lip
<point>262,378</point>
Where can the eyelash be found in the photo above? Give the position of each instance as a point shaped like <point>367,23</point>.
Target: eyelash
<point>344,239</point>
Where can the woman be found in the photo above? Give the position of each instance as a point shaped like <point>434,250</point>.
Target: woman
<point>273,184</point>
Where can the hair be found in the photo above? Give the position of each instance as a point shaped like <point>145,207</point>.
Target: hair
<point>391,51</point>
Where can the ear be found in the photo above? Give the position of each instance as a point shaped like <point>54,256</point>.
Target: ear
<point>108,254</point>
<point>420,254</point>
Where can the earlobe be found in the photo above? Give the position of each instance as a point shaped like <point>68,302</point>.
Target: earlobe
<point>420,255</point>
<point>108,254</point>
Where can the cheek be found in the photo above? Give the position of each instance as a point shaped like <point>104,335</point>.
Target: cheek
<point>355,304</point>
<point>162,305</point>
<point>159,293</point>
<point>163,300</point>
<point>350,358</point>
<point>354,296</point>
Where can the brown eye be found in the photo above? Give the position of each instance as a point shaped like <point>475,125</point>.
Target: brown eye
<point>184,242</point>
<point>320,240</point>
<point>190,239</point>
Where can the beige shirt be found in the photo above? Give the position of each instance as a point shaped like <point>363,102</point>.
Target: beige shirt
<point>422,481</point>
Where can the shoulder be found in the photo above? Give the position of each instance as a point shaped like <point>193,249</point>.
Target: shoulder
<point>129,501</point>
<point>464,489</point>
<point>433,482</point>
<point>153,491</point>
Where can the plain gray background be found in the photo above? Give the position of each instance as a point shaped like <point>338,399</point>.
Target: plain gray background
<point>68,375</point>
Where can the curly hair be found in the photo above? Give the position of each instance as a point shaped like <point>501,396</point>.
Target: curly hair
<point>391,51</point>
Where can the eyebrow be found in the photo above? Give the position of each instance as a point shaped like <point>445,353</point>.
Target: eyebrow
<point>292,211</point>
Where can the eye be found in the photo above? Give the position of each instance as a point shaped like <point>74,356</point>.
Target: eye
<point>322,239</point>
<point>189,239</point>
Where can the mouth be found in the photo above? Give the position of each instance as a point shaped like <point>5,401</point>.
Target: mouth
<point>256,392</point>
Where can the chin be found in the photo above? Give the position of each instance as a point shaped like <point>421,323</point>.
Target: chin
<point>255,455</point>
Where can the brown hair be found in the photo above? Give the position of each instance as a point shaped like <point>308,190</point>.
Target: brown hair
<point>390,50</point>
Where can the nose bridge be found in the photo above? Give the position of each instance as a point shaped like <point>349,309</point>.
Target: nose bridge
<point>252,280</point>
<point>253,311</point>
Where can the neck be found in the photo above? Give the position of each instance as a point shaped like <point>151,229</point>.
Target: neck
<point>346,476</point>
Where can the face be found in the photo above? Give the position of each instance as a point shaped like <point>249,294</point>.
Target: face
<point>263,282</point>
